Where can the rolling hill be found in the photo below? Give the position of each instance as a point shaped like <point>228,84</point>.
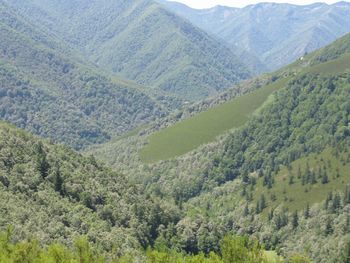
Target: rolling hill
<point>277,34</point>
<point>48,89</point>
<point>142,41</point>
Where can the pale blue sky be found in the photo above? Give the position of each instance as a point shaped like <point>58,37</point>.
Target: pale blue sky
<point>242,3</point>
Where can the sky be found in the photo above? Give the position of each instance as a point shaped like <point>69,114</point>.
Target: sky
<point>242,3</point>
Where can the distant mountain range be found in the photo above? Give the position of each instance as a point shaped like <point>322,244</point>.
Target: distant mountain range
<point>142,41</point>
<point>277,34</point>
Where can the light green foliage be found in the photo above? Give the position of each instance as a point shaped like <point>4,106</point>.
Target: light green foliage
<point>241,250</point>
<point>32,252</point>
<point>233,249</point>
<point>299,259</point>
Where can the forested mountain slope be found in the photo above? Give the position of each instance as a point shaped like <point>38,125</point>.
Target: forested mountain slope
<point>282,174</point>
<point>276,33</point>
<point>55,195</point>
<point>47,89</point>
<point>142,41</point>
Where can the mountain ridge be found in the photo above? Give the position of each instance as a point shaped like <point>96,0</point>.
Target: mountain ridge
<point>136,44</point>
<point>276,33</point>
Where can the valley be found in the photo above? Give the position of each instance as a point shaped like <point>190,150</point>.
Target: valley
<point>148,131</point>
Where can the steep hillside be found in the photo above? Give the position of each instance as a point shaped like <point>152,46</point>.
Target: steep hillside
<point>47,89</point>
<point>142,41</point>
<point>281,176</point>
<point>276,33</point>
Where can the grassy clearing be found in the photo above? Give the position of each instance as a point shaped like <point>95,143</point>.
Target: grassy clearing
<point>204,127</point>
<point>295,196</point>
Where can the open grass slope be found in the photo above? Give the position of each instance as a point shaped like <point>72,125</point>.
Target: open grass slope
<point>204,127</point>
<point>291,189</point>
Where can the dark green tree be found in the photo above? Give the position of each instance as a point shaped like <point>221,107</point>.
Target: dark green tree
<point>295,220</point>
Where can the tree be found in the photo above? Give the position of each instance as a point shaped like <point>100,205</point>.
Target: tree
<point>261,204</point>
<point>295,220</point>
<point>246,210</point>
<point>347,195</point>
<point>336,203</point>
<point>291,180</point>
<point>307,211</point>
<point>41,162</point>
<point>328,227</point>
<point>58,180</point>
<point>325,179</point>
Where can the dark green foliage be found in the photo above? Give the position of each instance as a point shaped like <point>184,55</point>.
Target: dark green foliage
<point>42,164</point>
<point>325,179</point>
<point>336,203</point>
<point>307,211</point>
<point>295,220</point>
<point>328,227</point>
<point>347,195</point>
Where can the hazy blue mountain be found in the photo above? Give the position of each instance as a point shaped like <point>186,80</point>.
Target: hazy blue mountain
<point>142,41</point>
<point>276,33</point>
